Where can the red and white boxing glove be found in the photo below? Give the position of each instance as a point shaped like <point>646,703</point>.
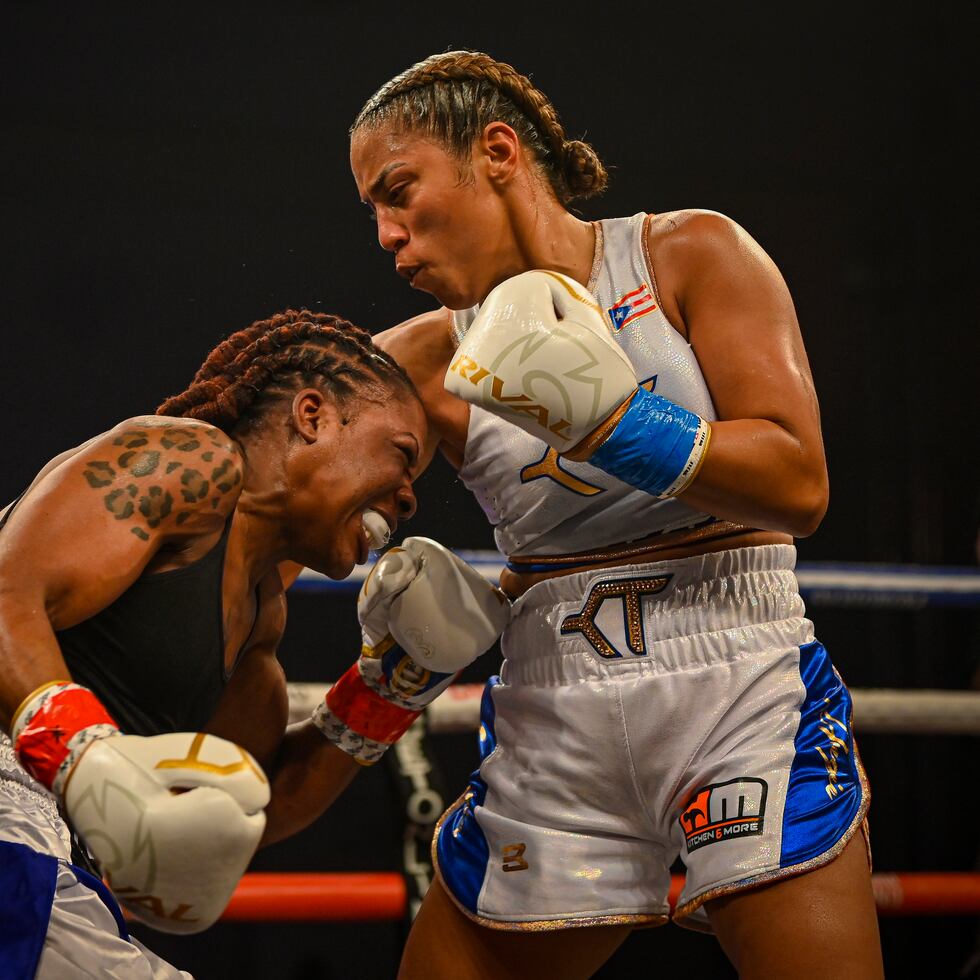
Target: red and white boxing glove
<point>425,614</point>
<point>172,820</point>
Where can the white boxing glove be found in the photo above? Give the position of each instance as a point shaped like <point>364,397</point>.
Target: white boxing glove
<point>172,820</point>
<point>438,608</point>
<point>425,614</point>
<point>541,354</point>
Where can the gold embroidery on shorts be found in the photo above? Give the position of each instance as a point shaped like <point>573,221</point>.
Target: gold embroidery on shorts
<point>514,857</point>
<point>837,744</point>
<point>629,591</point>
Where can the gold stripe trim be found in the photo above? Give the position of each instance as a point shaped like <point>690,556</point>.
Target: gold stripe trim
<point>587,301</point>
<point>30,697</point>
<point>597,255</point>
<point>581,451</point>
<point>697,466</point>
<point>653,543</point>
<point>704,454</point>
<point>645,241</point>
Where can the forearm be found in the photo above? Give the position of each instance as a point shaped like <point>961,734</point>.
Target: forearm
<point>29,653</point>
<point>758,473</point>
<point>309,774</point>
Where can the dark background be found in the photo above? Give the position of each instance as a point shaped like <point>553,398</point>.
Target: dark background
<point>172,172</point>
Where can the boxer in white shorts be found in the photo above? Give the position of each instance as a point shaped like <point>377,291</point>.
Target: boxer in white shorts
<point>630,402</point>
<point>683,708</point>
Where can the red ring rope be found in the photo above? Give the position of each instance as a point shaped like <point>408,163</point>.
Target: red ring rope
<point>374,896</point>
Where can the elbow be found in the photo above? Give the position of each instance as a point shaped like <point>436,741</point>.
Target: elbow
<point>809,509</point>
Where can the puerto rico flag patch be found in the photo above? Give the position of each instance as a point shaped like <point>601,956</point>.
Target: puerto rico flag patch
<point>636,303</point>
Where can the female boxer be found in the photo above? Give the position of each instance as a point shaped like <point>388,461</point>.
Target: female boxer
<point>646,445</point>
<point>140,592</point>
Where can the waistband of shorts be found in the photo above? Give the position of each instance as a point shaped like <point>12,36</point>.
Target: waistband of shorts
<point>693,613</point>
<point>681,571</point>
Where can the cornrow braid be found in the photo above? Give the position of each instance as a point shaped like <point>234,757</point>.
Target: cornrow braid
<point>453,96</point>
<point>273,357</point>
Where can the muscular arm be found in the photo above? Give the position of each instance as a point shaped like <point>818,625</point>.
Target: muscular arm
<point>92,525</point>
<point>424,348</point>
<point>765,465</point>
<point>306,771</point>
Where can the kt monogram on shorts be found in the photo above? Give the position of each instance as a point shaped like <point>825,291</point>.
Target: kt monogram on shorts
<point>612,617</point>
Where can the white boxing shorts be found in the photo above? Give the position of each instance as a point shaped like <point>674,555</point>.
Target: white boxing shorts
<point>645,712</point>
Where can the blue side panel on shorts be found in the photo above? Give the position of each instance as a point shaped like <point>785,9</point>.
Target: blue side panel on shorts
<point>461,845</point>
<point>824,792</point>
<point>108,899</point>
<point>27,885</point>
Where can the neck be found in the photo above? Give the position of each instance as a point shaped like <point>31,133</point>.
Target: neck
<point>550,237</point>
<point>258,538</point>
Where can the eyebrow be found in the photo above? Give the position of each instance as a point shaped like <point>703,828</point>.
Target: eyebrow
<point>380,179</point>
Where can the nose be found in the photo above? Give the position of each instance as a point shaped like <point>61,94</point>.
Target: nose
<point>391,234</point>
<point>405,502</point>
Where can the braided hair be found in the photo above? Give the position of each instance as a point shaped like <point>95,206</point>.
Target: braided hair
<point>453,96</point>
<point>272,358</point>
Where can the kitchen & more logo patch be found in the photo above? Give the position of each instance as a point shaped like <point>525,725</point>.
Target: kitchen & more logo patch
<point>723,811</point>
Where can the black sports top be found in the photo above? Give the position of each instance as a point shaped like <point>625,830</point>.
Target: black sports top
<point>155,657</point>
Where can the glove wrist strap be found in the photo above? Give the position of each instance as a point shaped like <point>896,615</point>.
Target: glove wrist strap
<point>52,727</point>
<point>358,720</point>
<point>657,446</point>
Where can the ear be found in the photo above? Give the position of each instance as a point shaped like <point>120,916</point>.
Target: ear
<point>500,150</point>
<point>313,414</point>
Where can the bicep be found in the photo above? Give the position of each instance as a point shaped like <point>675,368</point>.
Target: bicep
<point>72,545</point>
<point>743,327</point>
<point>254,707</point>
<point>423,346</point>
<point>91,526</point>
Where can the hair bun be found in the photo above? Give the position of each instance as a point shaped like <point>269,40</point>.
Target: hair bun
<point>584,174</point>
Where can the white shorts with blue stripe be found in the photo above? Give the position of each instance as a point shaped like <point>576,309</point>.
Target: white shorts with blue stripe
<point>645,712</point>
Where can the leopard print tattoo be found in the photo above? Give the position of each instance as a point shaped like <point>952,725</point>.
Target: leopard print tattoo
<point>159,464</point>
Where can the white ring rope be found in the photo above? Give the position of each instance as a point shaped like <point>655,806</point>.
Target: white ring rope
<point>875,709</point>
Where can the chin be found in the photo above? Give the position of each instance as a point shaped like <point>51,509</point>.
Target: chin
<point>452,300</point>
<point>337,569</point>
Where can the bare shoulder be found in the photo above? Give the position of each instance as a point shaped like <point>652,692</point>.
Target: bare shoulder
<point>692,251</point>
<point>697,230</point>
<point>161,474</point>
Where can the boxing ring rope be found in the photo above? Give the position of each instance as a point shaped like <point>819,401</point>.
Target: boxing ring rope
<point>386,896</point>
<point>265,896</point>
<point>821,583</point>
